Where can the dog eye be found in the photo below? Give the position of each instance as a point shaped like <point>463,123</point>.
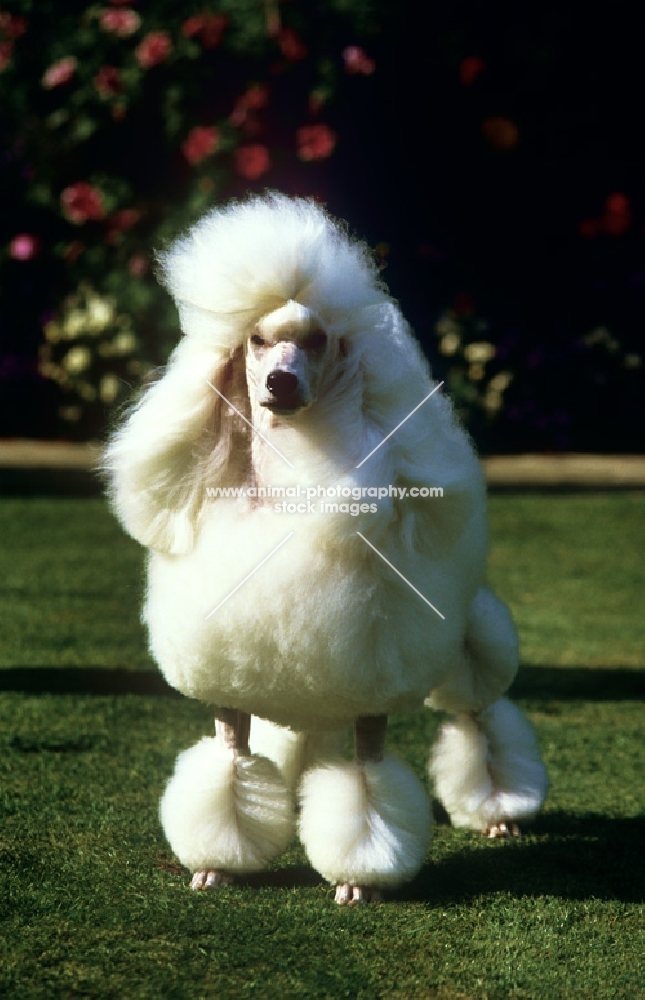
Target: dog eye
<point>258,340</point>
<point>315,341</point>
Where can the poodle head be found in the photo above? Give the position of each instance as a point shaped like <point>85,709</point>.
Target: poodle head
<point>286,358</point>
<point>282,312</point>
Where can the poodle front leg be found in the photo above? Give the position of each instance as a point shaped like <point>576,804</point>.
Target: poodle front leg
<point>365,824</point>
<point>226,811</point>
<point>370,732</point>
<point>232,730</point>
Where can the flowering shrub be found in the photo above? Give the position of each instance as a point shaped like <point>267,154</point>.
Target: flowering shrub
<point>91,351</point>
<point>469,163</point>
<point>123,122</point>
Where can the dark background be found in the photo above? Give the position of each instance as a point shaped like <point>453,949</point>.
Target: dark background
<point>540,242</point>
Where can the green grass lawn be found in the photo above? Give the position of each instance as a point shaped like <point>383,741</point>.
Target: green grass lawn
<point>92,904</point>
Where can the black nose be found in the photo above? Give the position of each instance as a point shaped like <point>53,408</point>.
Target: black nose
<point>282,384</point>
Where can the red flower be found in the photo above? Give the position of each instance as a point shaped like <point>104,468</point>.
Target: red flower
<point>208,27</point>
<point>120,222</point>
<point>121,22</point>
<point>12,25</point>
<point>60,73</point>
<point>24,246</point>
<point>73,251</point>
<point>254,99</point>
<point>108,81</point>
<point>469,69</point>
<point>200,142</point>
<point>154,49</point>
<point>252,161</point>
<point>81,203</point>
<point>315,142</point>
<point>357,61</point>
<point>291,45</point>
<point>617,216</point>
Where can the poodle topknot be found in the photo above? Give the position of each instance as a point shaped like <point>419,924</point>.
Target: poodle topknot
<point>316,525</point>
<point>240,262</point>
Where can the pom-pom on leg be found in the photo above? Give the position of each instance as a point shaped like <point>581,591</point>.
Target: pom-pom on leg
<point>226,811</point>
<point>364,824</point>
<point>487,770</point>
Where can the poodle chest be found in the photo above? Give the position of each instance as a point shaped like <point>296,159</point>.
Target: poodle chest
<point>314,636</point>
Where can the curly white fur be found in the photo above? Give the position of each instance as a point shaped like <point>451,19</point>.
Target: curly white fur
<point>222,811</point>
<point>365,823</point>
<point>312,628</point>
<point>488,769</point>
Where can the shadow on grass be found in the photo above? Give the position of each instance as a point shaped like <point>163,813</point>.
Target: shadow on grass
<point>84,680</point>
<point>579,683</point>
<point>575,857</point>
<point>534,682</point>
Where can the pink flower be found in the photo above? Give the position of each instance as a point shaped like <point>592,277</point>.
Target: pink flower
<point>60,73</point>
<point>291,45</point>
<point>81,203</point>
<point>200,142</point>
<point>121,22</point>
<point>252,161</point>
<point>24,246</point>
<point>138,265</point>
<point>154,49</point>
<point>108,81</point>
<point>209,28</point>
<point>121,2</point>
<point>357,61</point>
<point>469,69</point>
<point>315,142</point>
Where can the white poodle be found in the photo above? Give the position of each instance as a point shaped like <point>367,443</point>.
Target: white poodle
<point>286,475</point>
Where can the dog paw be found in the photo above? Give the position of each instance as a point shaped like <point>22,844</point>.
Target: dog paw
<point>354,895</point>
<point>503,831</point>
<point>210,879</point>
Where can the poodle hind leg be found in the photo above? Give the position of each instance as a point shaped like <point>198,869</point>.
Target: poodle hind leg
<point>294,752</point>
<point>365,824</point>
<point>487,770</point>
<point>226,811</point>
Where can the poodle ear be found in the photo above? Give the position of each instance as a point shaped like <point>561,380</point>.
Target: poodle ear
<point>429,449</point>
<point>177,440</point>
